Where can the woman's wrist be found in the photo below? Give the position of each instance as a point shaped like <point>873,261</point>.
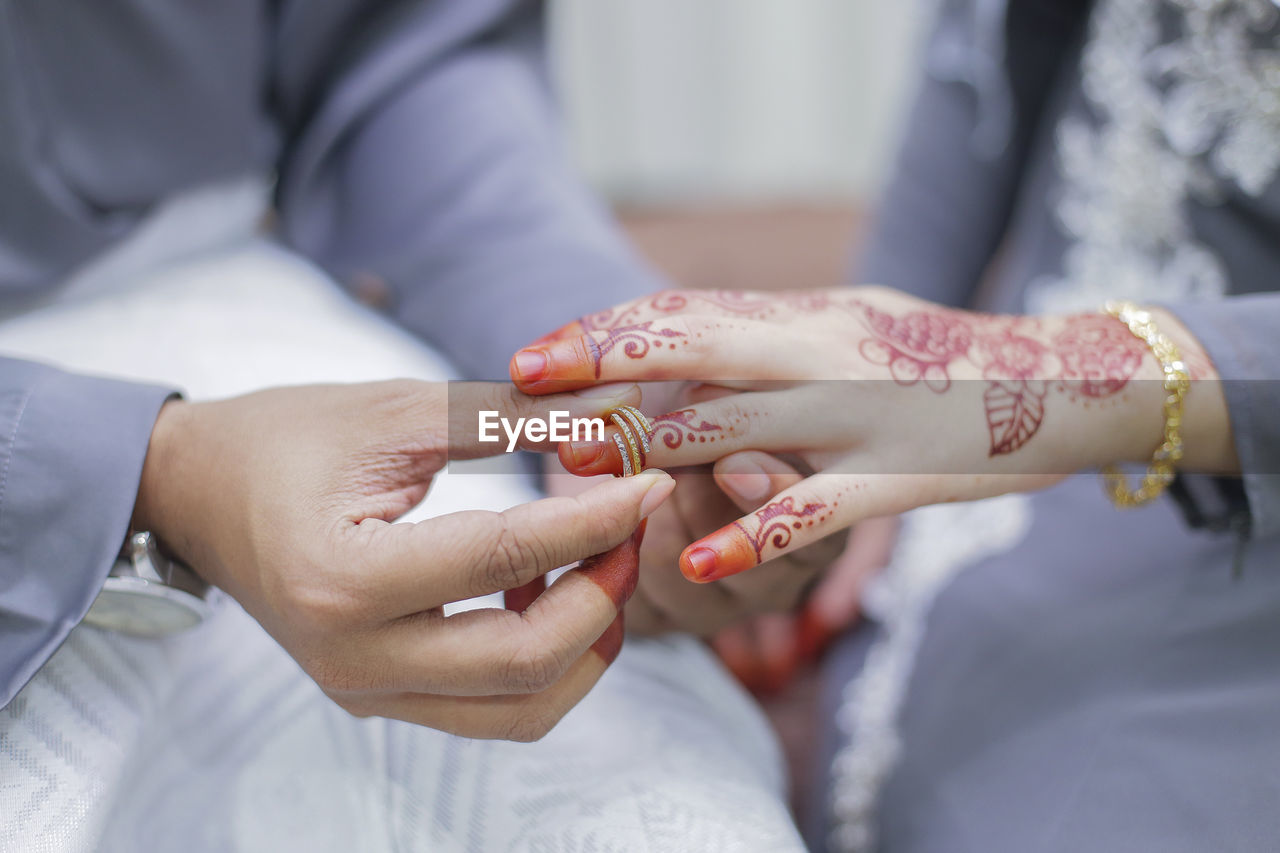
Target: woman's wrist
<point>1126,425</point>
<point>1208,443</point>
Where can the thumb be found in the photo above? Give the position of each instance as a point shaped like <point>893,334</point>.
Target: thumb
<point>750,478</point>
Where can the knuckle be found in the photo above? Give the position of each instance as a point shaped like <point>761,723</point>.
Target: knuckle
<point>512,556</point>
<point>602,526</point>
<point>530,725</point>
<point>321,605</point>
<point>531,670</point>
<point>334,677</point>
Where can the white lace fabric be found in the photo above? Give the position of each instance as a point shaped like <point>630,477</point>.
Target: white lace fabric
<point>216,741</point>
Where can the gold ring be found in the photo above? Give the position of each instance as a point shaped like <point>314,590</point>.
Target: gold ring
<point>627,470</point>
<point>643,428</point>
<point>632,441</point>
<point>632,437</point>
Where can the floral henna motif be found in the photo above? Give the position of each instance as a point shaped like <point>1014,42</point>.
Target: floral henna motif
<point>777,522</point>
<point>1099,355</point>
<point>1006,355</point>
<point>917,346</point>
<point>678,427</point>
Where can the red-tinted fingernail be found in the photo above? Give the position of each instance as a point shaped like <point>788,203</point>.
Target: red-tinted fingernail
<point>529,365</point>
<point>699,564</point>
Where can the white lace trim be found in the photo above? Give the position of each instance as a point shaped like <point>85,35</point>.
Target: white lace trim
<point>935,544</point>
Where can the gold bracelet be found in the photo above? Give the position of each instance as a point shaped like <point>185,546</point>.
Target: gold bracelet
<point>1177,381</point>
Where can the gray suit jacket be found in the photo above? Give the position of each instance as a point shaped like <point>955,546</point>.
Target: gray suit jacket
<point>413,142</point>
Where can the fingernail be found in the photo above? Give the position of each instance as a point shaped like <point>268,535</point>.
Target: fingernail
<point>583,454</point>
<point>614,391</point>
<point>530,365</point>
<point>701,563</point>
<point>661,489</point>
<point>750,486</point>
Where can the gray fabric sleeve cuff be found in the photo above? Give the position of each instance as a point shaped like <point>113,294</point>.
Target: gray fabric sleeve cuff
<point>1240,335</point>
<point>71,454</point>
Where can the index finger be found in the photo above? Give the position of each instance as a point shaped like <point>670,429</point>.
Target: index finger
<point>684,346</point>
<point>408,568</point>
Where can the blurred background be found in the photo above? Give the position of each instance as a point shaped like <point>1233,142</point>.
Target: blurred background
<point>742,143</point>
<point>741,140</point>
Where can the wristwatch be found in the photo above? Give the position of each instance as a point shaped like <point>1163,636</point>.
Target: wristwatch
<point>148,594</point>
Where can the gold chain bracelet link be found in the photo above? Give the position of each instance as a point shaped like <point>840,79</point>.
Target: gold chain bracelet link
<point>1177,381</point>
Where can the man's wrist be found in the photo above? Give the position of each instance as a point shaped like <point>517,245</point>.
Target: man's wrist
<point>153,507</point>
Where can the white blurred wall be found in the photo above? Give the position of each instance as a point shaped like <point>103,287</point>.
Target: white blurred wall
<point>683,100</point>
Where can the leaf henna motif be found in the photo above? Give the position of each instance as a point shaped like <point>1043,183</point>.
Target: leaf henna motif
<point>777,521</point>
<point>676,427</point>
<point>1015,411</point>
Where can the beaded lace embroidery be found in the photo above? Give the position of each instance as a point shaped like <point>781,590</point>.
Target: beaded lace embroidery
<point>1187,99</point>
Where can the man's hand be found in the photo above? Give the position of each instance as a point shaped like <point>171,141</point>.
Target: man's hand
<point>287,500</point>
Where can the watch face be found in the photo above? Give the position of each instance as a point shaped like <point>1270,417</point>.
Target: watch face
<point>133,606</point>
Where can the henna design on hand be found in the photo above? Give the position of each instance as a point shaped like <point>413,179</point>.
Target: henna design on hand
<point>737,303</point>
<point>1015,411</point>
<point>918,346</point>
<point>1092,357</point>
<point>777,522</point>
<point>677,427</point>
<point>1099,355</point>
<point>664,302</point>
<point>1014,399</point>
<point>636,341</point>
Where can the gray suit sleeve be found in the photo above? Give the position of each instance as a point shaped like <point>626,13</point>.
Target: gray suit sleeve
<point>965,147</point>
<point>71,452</point>
<point>431,162</point>
<point>1239,333</point>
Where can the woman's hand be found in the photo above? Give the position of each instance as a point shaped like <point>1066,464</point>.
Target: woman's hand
<point>704,500</point>
<point>969,405</point>
<point>767,652</point>
<point>286,500</point>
